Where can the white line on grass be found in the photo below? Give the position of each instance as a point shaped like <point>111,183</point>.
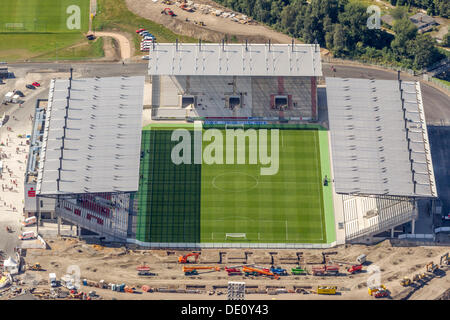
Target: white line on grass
<point>318,189</point>
<point>286,229</point>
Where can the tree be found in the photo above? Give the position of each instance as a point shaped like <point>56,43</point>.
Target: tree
<point>423,49</point>
<point>446,40</point>
<point>338,40</point>
<point>405,31</point>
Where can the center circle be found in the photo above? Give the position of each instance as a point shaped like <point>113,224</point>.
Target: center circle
<point>234,181</point>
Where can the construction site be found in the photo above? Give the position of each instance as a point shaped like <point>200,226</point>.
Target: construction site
<point>348,272</point>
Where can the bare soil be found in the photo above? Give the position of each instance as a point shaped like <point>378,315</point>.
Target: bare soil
<point>216,28</point>
<point>118,265</point>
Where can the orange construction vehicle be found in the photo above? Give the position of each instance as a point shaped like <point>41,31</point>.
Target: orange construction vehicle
<point>192,271</point>
<point>251,270</point>
<point>184,259</point>
<point>186,8</point>
<point>169,12</point>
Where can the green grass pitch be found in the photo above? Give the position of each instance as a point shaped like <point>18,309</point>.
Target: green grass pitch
<point>41,15</point>
<point>202,203</point>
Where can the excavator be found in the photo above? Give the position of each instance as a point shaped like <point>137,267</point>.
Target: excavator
<point>169,12</point>
<point>251,270</point>
<point>36,267</point>
<point>184,259</point>
<point>405,282</point>
<point>431,267</point>
<point>445,261</point>
<point>190,271</point>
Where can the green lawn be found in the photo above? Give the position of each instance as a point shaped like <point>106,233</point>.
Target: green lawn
<point>201,203</point>
<point>41,15</point>
<point>286,207</point>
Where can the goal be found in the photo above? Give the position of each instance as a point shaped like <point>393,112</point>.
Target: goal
<point>235,236</point>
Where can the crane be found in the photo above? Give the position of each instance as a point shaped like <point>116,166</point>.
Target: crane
<point>266,272</point>
<point>189,271</point>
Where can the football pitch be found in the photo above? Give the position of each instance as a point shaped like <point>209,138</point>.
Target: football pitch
<point>211,203</point>
<point>42,16</point>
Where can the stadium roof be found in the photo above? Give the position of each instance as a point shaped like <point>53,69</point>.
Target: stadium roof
<point>214,59</point>
<point>99,150</point>
<point>373,152</point>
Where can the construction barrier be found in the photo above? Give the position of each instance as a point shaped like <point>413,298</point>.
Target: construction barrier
<point>417,236</point>
<point>232,245</point>
<point>442,229</point>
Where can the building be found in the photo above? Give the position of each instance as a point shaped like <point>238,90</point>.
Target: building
<point>381,154</point>
<point>423,22</point>
<point>268,82</point>
<point>85,149</point>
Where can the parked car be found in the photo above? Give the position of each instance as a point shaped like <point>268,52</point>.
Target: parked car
<point>29,86</point>
<point>140,30</point>
<point>36,84</point>
<point>90,37</point>
<point>19,93</point>
<point>145,58</point>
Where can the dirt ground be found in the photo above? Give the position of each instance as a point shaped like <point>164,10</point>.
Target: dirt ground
<point>118,265</point>
<point>215,29</point>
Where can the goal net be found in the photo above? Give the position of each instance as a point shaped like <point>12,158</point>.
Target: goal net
<point>235,236</point>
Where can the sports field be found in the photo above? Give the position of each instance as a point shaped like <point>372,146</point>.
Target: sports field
<point>42,15</point>
<point>205,202</point>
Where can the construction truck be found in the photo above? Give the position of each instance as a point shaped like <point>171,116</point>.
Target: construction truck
<point>189,271</point>
<point>326,290</point>
<point>255,271</point>
<point>279,271</point>
<point>144,270</point>
<point>52,280</point>
<point>325,270</point>
<point>35,267</point>
<point>184,7</point>
<point>233,271</point>
<point>298,271</point>
<point>355,268</point>
<point>405,282</point>
<point>184,259</point>
<point>378,292</point>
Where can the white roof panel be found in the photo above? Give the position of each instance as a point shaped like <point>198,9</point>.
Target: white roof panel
<point>100,150</point>
<point>235,59</point>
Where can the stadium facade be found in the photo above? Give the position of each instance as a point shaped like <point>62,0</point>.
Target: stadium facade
<point>87,148</point>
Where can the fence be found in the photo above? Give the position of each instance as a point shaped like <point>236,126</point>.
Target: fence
<point>417,236</point>
<point>373,64</point>
<point>173,245</point>
<point>442,229</point>
<point>439,83</point>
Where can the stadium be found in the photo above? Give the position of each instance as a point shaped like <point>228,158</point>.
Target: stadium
<point>231,145</point>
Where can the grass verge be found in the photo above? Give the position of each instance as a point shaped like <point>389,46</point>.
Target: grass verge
<point>114,15</point>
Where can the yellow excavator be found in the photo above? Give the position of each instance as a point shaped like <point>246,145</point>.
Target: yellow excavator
<point>431,267</point>
<point>36,267</point>
<point>405,282</point>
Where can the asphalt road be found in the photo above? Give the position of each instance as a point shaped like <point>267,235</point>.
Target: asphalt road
<point>436,102</point>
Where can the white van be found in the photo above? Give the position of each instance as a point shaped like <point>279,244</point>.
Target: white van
<point>52,279</point>
<point>29,221</point>
<point>28,235</point>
